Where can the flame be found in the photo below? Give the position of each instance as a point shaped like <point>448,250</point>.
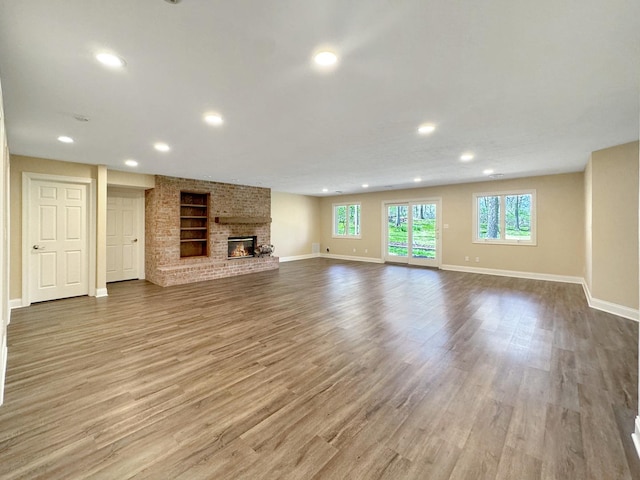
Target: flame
<point>239,251</point>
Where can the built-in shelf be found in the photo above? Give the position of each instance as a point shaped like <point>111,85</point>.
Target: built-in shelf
<point>245,220</point>
<point>194,224</point>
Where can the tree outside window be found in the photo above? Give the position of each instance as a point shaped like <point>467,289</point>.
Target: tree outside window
<point>505,217</point>
<point>346,220</point>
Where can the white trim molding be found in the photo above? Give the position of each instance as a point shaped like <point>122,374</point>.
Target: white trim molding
<point>512,273</point>
<point>101,292</point>
<point>3,366</point>
<point>351,258</point>
<point>610,307</point>
<point>16,303</point>
<point>299,257</point>
<point>636,436</point>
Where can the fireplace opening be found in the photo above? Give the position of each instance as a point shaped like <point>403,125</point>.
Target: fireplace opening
<point>241,247</point>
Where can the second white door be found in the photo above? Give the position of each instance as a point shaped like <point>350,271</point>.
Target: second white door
<point>123,242</point>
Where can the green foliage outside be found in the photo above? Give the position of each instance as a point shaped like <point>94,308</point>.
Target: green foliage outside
<point>424,231</point>
<point>350,225</point>
<point>341,220</point>
<point>517,217</point>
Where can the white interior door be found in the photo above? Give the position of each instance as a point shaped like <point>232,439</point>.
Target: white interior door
<point>58,241</point>
<point>412,233</point>
<point>123,236</point>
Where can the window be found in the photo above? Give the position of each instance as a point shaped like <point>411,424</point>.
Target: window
<point>346,220</point>
<point>505,217</point>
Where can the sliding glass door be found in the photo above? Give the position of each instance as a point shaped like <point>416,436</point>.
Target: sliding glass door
<point>412,233</point>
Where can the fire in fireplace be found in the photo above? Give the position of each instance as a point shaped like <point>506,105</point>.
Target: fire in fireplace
<point>241,247</point>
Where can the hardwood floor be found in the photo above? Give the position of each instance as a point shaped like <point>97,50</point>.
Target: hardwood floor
<point>322,370</point>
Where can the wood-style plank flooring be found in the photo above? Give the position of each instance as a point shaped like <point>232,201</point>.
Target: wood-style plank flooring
<point>322,370</point>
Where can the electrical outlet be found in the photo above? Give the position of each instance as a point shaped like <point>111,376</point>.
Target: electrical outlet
<point>477,259</point>
<point>354,250</point>
<point>466,258</point>
<point>366,250</point>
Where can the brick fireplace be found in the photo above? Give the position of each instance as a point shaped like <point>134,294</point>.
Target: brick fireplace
<point>235,211</point>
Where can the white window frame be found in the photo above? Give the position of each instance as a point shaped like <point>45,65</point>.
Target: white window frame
<point>347,234</point>
<point>504,241</point>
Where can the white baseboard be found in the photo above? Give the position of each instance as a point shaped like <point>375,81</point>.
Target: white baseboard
<point>512,273</point>
<point>299,257</point>
<point>101,292</point>
<point>352,258</point>
<point>636,436</point>
<point>3,366</point>
<point>15,303</point>
<point>609,307</point>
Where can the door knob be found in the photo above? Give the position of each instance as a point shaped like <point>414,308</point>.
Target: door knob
<point>38,247</point>
<point>135,240</point>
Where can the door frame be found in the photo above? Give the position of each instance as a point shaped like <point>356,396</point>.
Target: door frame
<point>138,195</point>
<point>409,202</point>
<point>27,179</point>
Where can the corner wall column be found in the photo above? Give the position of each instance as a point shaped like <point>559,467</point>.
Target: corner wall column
<point>101,232</point>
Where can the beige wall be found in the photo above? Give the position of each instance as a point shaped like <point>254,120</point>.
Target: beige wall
<point>582,238</point>
<point>295,225</point>
<point>560,225</point>
<point>116,178</point>
<point>21,164</point>
<point>614,222</point>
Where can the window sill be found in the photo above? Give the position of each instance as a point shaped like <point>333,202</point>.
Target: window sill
<point>525,243</point>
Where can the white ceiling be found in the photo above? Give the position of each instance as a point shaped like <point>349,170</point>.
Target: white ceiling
<point>530,88</point>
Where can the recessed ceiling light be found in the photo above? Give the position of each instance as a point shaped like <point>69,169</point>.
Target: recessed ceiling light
<point>426,129</point>
<point>131,163</point>
<point>466,157</point>
<point>161,147</point>
<point>365,185</point>
<point>417,179</point>
<point>488,171</point>
<point>325,58</point>
<point>110,60</point>
<point>325,190</point>
<point>213,119</point>
<point>65,139</point>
